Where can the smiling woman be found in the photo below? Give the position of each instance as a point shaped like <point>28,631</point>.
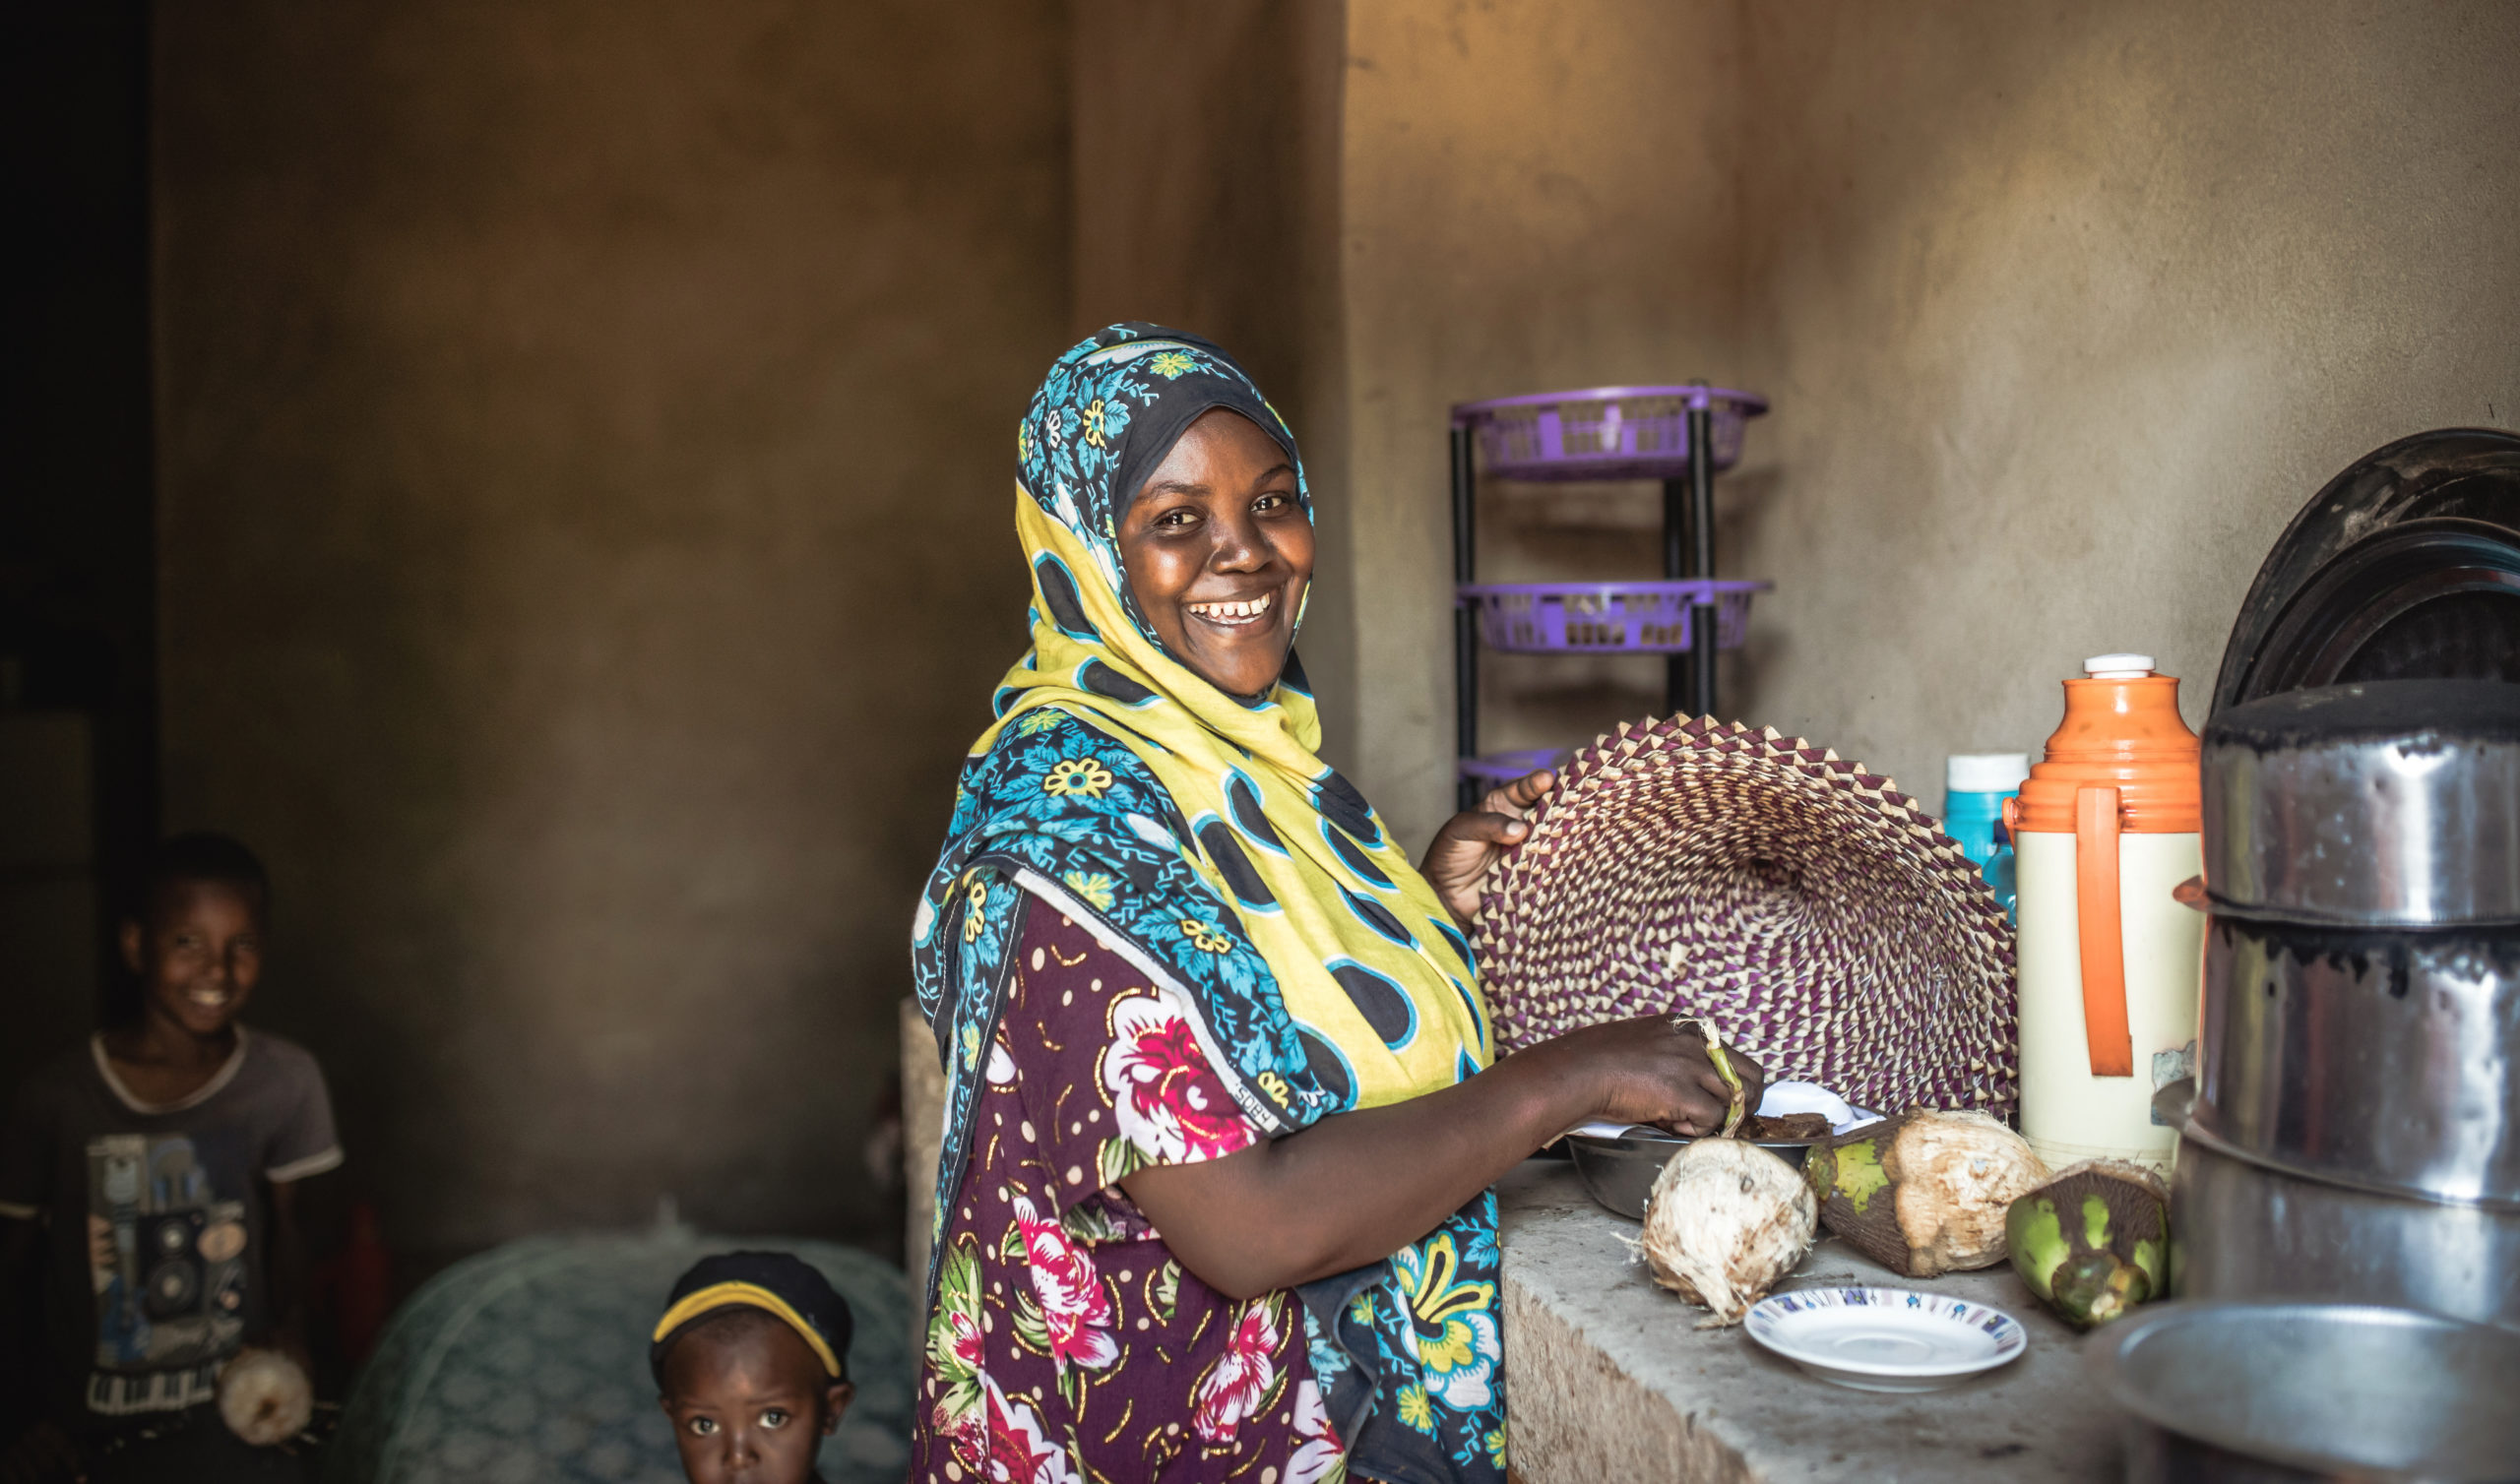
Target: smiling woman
<point>1221,1119</point>
<point>1218,551</point>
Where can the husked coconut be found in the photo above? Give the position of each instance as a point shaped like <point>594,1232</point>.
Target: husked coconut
<point>1725,1221</point>
<point>1925,1193</point>
<point>265,1397</point>
<point>2093,1242</point>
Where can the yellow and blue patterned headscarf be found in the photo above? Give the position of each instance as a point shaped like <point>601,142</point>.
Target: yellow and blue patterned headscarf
<point>1201,835</point>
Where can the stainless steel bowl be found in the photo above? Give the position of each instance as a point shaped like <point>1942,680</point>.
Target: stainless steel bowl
<point>2268,1391</point>
<point>1621,1172</point>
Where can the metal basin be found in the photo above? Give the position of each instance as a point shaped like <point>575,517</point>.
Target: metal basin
<point>2286,1392</point>
<point>2240,1229</point>
<point>1621,1172</point>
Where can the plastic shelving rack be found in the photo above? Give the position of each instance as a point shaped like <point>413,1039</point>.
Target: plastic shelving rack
<point>1681,435</point>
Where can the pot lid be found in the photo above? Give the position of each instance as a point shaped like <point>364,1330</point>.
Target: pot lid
<point>2392,803</point>
<point>2406,565</point>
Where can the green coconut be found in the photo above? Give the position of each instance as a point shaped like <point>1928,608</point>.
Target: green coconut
<point>1925,1193</point>
<point>2093,1242</point>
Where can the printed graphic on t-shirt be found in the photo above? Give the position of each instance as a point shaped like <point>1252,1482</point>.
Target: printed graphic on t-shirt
<point>166,1241</point>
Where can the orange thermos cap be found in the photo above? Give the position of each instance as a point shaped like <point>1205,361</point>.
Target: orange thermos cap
<point>2121,730</point>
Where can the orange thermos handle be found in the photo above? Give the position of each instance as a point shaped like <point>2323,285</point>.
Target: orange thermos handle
<point>2101,933</point>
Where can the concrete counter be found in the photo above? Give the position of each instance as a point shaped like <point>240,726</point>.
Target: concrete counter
<point>1608,1379</point>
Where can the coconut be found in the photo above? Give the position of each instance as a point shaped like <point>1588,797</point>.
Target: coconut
<point>1925,1193</point>
<point>1726,1220</point>
<point>2093,1242</point>
<point>265,1397</point>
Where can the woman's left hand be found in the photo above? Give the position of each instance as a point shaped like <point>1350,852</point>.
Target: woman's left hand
<point>1457,863</point>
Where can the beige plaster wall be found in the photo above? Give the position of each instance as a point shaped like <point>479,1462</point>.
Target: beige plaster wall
<point>585,455</point>
<point>2067,309</point>
<point>1533,197</point>
<point>1205,156</point>
<point>584,467</point>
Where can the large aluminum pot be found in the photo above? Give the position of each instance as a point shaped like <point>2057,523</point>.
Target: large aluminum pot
<point>2355,1128</point>
<point>2257,1393</point>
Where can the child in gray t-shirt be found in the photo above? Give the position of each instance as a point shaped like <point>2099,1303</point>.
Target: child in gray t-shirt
<point>146,1185</point>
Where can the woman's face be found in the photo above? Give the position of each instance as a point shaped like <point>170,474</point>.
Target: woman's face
<point>1218,552</point>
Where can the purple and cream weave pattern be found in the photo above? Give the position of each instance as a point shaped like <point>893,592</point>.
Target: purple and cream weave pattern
<point>1815,915</point>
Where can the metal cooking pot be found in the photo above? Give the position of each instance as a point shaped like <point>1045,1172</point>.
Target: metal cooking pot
<point>2257,1393</point>
<point>2366,1058</point>
<point>2242,1227</point>
<point>2389,804</point>
<point>2355,1132</point>
<point>1620,1171</point>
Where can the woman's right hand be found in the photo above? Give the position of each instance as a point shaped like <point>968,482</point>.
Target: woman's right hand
<point>1650,1069</point>
<point>1357,1187</point>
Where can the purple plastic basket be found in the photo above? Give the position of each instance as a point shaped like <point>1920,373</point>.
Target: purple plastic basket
<point>1506,766</point>
<point>1606,432</point>
<point>1607,618</point>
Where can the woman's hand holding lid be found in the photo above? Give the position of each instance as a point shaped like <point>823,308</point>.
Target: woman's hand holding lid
<point>1470,844</point>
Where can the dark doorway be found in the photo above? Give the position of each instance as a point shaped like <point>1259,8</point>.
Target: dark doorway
<point>78,615</point>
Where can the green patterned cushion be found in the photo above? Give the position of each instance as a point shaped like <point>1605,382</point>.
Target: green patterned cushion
<point>528,1364</point>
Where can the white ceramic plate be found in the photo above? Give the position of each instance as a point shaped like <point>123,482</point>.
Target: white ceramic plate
<point>1885,1339</point>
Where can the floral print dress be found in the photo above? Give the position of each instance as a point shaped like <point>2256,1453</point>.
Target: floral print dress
<point>1068,1345</point>
<point>1201,837</point>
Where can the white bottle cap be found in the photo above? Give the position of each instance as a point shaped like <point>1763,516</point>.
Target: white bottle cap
<point>1985,772</point>
<point>2117,666</point>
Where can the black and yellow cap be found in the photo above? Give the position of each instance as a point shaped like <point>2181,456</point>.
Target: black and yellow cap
<point>780,1285</point>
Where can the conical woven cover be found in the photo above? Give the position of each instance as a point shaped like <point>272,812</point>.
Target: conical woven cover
<point>1817,919</point>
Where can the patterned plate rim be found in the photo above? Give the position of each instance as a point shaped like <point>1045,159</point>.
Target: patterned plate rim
<point>1765,1315</point>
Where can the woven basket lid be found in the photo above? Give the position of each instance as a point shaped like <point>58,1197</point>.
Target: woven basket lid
<point>1814,915</point>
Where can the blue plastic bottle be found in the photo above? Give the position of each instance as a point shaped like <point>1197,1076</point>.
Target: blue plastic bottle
<point>1974,787</point>
<point>1998,872</point>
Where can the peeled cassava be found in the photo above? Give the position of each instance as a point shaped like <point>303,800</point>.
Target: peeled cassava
<point>264,1397</point>
<point>1925,1193</point>
<point>2093,1242</point>
<point>1725,1221</point>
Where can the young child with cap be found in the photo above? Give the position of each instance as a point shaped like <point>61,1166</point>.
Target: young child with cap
<point>751,1361</point>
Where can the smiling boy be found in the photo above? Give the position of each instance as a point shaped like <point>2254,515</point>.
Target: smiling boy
<point>148,1196</point>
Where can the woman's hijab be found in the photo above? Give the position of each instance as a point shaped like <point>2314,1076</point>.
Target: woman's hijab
<point>1201,836</point>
